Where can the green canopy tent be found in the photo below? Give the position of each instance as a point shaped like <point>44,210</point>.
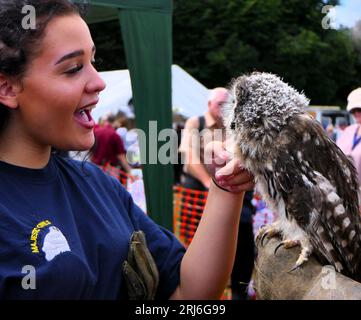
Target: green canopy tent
<point>146,27</point>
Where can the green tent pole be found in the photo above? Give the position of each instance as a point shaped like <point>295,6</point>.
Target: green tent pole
<point>147,39</point>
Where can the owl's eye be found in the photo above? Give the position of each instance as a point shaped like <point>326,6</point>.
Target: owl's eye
<point>233,125</point>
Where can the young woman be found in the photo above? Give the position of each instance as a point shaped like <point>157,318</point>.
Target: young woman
<point>64,229</point>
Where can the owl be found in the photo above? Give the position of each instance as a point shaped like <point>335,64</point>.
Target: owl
<point>301,174</point>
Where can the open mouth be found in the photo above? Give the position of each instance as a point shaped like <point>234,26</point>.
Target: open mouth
<point>84,118</point>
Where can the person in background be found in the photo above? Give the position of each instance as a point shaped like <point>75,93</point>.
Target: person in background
<point>331,131</point>
<point>121,127</point>
<point>350,140</point>
<point>341,126</point>
<point>195,173</point>
<point>109,146</point>
<point>178,166</point>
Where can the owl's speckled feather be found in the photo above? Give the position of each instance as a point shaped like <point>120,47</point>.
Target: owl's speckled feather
<point>300,172</point>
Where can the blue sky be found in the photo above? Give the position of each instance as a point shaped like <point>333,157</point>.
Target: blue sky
<point>348,13</point>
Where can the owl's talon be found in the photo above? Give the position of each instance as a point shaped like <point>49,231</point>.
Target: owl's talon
<point>287,244</point>
<point>298,263</point>
<point>278,246</point>
<point>295,267</point>
<point>263,237</point>
<point>302,258</point>
<point>267,232</point>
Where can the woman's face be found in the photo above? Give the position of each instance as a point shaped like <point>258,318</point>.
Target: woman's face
<point>357,115</point>
<point>59,83</point>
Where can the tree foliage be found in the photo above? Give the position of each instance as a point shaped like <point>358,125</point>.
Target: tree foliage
<point>110,49</point>
<point>217,40</point>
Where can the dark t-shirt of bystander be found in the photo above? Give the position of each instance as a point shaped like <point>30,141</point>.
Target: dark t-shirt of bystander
<point>108,145</point>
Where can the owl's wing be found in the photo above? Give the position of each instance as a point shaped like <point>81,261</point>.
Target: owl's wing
<point>319,187</point>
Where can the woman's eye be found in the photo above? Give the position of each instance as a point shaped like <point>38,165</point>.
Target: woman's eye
<point>77,68</point>
<point>74,70</point>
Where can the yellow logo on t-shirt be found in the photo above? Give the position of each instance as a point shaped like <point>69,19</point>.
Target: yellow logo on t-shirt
<point>35,233</point>
<point>51,242</point>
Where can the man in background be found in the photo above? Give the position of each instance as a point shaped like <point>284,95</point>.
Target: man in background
<point>196,175</point>
<point>197,133</point>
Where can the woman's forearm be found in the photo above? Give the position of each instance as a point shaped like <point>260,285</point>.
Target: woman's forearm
<point>208,262</point>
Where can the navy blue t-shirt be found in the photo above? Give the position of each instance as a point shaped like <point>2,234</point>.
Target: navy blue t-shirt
<point>72,226</point>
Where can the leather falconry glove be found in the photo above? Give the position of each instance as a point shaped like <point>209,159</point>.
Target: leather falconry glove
<point>140,271</point>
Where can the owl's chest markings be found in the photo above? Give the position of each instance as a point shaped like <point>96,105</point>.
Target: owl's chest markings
<point>271,188</point>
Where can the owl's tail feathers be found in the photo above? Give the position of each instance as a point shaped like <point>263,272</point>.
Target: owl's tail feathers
<point>356,273</point>
<point>350,250</point>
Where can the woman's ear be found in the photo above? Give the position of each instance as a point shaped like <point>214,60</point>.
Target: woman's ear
<point>8,93</point>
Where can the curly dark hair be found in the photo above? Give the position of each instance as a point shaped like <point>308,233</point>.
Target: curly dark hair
<point>18,46</point>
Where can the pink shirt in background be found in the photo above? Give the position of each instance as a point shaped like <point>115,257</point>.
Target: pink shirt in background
<point>345,143</point>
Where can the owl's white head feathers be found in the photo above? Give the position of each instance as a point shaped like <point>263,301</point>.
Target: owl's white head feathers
<point>262,103</point>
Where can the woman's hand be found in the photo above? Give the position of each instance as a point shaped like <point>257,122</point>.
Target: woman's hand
<point>227,171</point>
